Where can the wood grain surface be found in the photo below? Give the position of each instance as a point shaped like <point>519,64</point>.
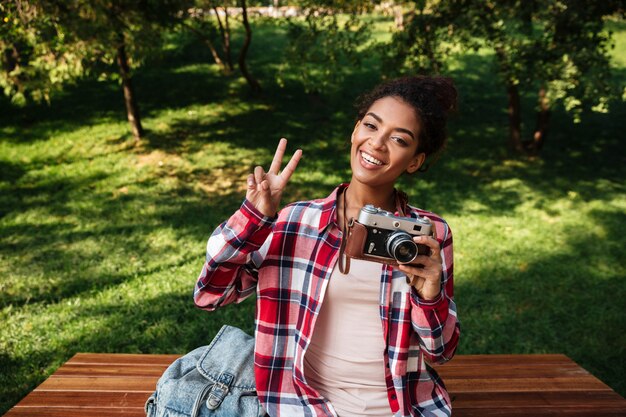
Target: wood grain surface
<point>95,384</point>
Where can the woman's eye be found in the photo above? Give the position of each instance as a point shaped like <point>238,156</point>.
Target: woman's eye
<point>400,141</point>
<point>369,125</point>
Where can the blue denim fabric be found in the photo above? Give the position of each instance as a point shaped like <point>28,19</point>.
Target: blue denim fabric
<point>211,381</point>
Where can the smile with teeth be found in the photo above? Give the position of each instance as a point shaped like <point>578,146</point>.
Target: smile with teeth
<point>371,159</point>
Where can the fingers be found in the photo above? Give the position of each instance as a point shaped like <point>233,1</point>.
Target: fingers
<point>259,174</point>
<point>418,264</point>
<point>259,177</point>
<point>278,156</point>
<point>431,242</point>
<point>414,280</point>
<point>426,273</point>
<point>251,182</point>
<point>291,165</point>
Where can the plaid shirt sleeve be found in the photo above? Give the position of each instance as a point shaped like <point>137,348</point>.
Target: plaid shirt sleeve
<point>234,254</point>
<point>435,321</point>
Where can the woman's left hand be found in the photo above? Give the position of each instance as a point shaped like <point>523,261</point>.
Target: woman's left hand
<point>425,271</point>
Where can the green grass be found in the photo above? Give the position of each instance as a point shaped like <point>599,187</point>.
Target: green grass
<point>101,240</point>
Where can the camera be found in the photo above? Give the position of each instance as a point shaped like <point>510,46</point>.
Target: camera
<point>378,235</point>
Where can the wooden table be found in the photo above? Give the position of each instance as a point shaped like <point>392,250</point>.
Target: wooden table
<point>480,385</point>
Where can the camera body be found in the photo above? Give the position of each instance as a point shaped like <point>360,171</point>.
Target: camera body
<point>380,236</point>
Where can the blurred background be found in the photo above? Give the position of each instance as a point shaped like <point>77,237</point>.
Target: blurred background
<point>127,130</point>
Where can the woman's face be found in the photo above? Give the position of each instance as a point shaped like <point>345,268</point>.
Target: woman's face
<point>384,143</point>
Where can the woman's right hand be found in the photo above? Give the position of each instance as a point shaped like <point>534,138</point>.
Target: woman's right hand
<point>266,188</point>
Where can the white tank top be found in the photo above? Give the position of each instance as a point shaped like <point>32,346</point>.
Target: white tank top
<point>344,360</point>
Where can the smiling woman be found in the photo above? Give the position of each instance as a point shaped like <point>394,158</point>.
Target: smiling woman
<point>384,144</point>
<point>346,341</point>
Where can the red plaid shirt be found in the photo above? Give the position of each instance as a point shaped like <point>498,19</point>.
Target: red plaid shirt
<point>288,261</point>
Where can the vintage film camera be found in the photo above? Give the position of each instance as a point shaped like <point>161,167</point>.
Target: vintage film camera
<point>379,236</point>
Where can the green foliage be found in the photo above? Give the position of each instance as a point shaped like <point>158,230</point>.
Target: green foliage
<point>323,48</point>
<point>46,43</point>
<point>35,59</point>
<point>581,75</point>
<point>421,46</point>
<point>559,45</point>
<point>557,50</point>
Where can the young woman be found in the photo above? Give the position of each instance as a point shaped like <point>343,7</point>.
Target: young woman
<point>354,344</point>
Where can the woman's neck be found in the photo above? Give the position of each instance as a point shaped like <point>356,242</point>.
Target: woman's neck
<point>358,195</point>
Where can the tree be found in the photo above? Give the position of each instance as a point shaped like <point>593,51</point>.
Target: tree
<point>558,48</point>
<point>199,21</point>
<point>243,66</point>
<point>325,44</point>
<point>422,43</point>
<point>209,18</point>
<point>85,36</point>
<point>34,55</point>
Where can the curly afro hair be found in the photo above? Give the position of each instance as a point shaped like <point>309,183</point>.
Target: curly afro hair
<point>432,97</point>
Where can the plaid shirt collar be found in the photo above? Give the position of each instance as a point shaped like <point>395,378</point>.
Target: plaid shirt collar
<point>329,208</point>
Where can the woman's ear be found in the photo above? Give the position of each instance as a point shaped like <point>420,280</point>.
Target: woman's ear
<point>416,162</point>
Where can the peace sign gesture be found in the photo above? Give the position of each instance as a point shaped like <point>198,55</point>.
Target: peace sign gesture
<point>266,188</point>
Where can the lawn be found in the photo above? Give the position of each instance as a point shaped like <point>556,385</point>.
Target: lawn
<point>102,238</point>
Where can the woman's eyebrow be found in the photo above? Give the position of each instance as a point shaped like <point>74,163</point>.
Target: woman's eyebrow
<point>399,129</point>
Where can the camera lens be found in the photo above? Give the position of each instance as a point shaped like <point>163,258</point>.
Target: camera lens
<point>400,245</point>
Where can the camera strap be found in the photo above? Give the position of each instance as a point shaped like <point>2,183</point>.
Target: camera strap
<point>344,260</point>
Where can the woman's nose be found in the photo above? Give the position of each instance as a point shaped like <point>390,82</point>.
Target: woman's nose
<point>377,141</point>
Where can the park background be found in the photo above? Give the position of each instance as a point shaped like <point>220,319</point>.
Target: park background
<point>103,224</point>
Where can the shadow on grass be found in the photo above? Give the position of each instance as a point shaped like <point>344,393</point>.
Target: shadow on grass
<point>184,88</point>
<point>10,172</point>
<point>569,302</point>
<point>97,254</point>
<point>168,323</point>
<point>466,173</point>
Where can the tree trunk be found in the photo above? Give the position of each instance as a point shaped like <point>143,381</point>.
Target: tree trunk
<point>207,41</point>
<point>132,110</point>
<point>10,64</point>
<point>514,106</point>
<point>225,35</point>
<point>227,50</point>
<point>11,58</point>
<point>254,84</point>
<point>543,123</point>
<point>515,117</point>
